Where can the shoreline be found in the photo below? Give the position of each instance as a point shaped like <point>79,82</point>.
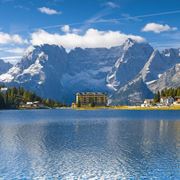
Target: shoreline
<point>130,108</point>
<point>137,108</point>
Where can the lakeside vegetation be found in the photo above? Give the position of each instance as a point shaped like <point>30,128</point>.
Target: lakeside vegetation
<point>14,98</point>
<point>174,107</point>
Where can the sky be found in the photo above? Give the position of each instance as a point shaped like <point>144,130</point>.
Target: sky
<point>86,24</point>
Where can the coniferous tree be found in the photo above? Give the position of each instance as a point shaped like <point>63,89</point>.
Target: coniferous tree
<point>13,97</point>
<point>2,103</point>
<point>157,97</point>
<point>178,92</point>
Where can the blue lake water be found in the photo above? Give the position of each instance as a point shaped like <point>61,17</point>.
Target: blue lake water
<point>106,144</point>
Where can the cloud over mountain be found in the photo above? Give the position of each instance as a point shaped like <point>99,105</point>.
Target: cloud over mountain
<point>65,28</point>
<point>6,38</point>
<point>92,38</point>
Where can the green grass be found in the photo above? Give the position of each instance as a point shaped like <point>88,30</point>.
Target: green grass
<point>130,108</point>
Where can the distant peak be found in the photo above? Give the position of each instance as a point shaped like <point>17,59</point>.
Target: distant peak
<point>129,40</point>
<point>128,43</point>
<point>156,52</point>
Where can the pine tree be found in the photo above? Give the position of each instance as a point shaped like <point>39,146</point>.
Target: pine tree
<point>163,93</point>
<point>178,92</point>
<point>157,97</point>
<point>2,103</point>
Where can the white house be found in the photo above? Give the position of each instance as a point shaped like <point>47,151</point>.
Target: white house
<point>3,89</point>
<point>167,101</point>
<point>147,103</point>
<point>177,100</point>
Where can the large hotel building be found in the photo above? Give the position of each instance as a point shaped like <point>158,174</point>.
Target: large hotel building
<point>91,99</point>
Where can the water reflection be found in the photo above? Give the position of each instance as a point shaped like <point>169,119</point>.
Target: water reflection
<point>59,145</point>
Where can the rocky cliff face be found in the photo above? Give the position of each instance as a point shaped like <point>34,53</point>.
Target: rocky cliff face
<point>170,78</point>
<point>129,73</point>
<point>4,67</point>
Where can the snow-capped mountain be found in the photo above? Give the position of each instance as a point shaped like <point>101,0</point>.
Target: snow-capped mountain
<point>158,63</point>
<point>126,72</point>
<point>129,64</point>
<point>40,70</point>
<point>4,66</point>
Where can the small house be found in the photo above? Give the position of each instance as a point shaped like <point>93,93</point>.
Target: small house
<point>29,105</point>
<point>73,105</point>
<point>35,104</point>
<point>147,103</point>
<point>167,101</point>
<point>3,90</point>
<point>177,100</point>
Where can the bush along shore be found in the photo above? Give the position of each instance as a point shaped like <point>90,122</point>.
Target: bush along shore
<point>19,98</point>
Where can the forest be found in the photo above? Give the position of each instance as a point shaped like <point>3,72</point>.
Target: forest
<point>13,97</point>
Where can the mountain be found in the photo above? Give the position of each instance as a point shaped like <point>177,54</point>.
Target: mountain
<point>52,72</point>
<point>125,72</point>
<point>131,94</point>
<point>129,63</point>
<point>158,63</point>
<point>4,67</point>
<point>169,79</point>
<point>100,69</point>
<point>159,72</point>
<point>40,70</point>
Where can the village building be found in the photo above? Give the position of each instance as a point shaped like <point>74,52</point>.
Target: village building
<point>3,90</point>
<point>167,101</point>
<point>73,105</point>
<point>91,99</point>
<point>177,100</point>
<point>29,105</point>
<point>147,103</point>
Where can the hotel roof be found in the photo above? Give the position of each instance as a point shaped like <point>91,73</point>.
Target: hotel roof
<point>91,93</point>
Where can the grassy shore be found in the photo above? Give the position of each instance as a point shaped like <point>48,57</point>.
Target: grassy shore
<point>130,108</point>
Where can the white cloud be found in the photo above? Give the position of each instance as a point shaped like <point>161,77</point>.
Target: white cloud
<point>6,38</point>
<point>76,30</point>
<point>15,50</point>
<point>111,4</point>
<point>65,28</point>
<point>48,11</point>
<point>157,28</point>
<point>92,38</point>
<point>68,29</point>
<point>12,59</point>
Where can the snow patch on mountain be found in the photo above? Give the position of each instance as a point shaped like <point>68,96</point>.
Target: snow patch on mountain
<point>130,63</point>
<point>10,75</point>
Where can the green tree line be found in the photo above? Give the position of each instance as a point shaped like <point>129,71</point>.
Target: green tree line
<point>14,96</point>
<point>167,92</point>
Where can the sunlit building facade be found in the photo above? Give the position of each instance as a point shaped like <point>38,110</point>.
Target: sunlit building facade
<point>91,99</point>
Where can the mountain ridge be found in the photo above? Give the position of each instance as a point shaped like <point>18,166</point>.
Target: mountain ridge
<point>4,66</point>
<point>52,72</point>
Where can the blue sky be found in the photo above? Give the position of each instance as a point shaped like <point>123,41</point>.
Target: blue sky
<point>86,23</point>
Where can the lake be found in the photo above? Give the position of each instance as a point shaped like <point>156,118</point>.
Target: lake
<point>101,144</point>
